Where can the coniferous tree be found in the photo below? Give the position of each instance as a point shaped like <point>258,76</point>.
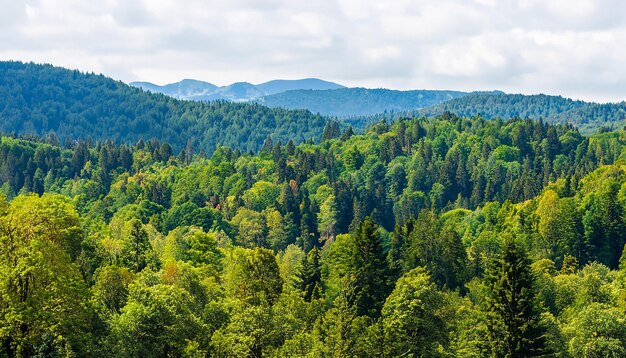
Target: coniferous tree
<point>514,327</point>
<point>370,270</point>
<point>137,247</point>
<point>310,276</point>
<point>331,131</point>
<point>347,134</point>
<point>396,255</point>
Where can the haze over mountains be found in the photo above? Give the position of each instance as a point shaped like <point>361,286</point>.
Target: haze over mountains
<point>351,102</point>
<point>318,96</point>
<point>195,90</point>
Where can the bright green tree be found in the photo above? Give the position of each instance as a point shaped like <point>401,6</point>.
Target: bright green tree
<point>43,296</point>
<point>412,322</point>
<point>252,275</point>
<point>251,227</point>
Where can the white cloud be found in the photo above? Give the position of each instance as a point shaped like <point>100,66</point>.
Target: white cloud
<point>569,47</point>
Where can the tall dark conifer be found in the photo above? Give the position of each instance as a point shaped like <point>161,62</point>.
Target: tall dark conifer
<point>370,286</point>
<point>309,280</point>
<point>514,327</point>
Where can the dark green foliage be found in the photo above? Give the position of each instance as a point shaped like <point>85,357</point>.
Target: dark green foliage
<point>331,130</point>
<point>370,283</point>
<point>514,325</point>
<point>136,252</point>
<point>605,230</point>
<point>42,99</point>
<point>310,276</point>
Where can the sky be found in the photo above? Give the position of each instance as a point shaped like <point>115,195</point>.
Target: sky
<point>574,48</point>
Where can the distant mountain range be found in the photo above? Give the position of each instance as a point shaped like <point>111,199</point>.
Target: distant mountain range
<point>318,96</point>
<point>194,90</point>
<point>185,89</point>
<point>362,106</point>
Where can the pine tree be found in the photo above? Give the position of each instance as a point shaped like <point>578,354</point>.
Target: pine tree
<point>514,328</point>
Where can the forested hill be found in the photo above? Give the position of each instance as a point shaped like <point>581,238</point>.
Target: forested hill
<point>42,99</point>
<point>441,237</point>
<point>587,116</point>
<point>350,102</point>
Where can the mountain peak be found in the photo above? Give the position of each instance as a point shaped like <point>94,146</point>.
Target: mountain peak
<point>195,90</point>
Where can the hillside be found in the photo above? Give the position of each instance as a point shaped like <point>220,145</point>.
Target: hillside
<point>350,102</point>
<point>588,116</point>
<point>415,234</point>
<point>43,100</point>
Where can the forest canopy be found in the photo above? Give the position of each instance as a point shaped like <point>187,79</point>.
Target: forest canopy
<point>445,236</point>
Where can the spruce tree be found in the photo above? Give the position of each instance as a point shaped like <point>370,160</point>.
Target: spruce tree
<point>137,247</point>
<point>310,276</point>
<point>397,252</point>
<point>370,287</point>
<point>514,328</point>
<point>331,130</point>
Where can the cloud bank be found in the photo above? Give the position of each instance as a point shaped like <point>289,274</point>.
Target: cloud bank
<point>570,47</point>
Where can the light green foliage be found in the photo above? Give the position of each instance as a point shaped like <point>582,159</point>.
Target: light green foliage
<point>291,265</point>
<point>261,195</point>
<point>248,333</point>
<point>42,291</point>
<point>252,276</point>
<point>277,234</point>
<point>251,228</point>
<point>162,316</point>
<point>597,330</point>
<point>327,218</point>
<point>336,333</point>
<point>110,289</point>
<point>506,153</point>
<point>412,318</point>
<point>195,247</point>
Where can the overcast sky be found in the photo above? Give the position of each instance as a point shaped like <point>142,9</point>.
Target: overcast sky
<point>576,48</point>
